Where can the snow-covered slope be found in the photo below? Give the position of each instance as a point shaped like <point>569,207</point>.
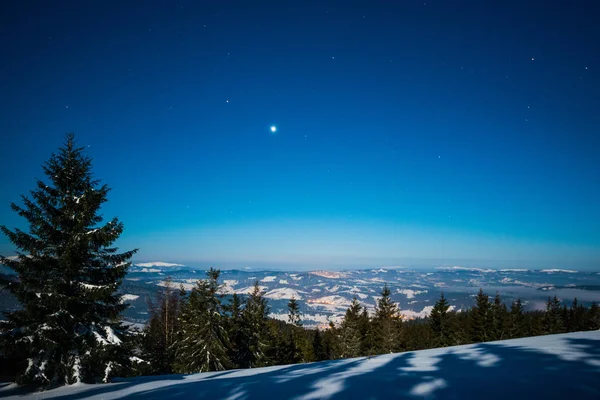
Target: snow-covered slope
<point>546,367</point>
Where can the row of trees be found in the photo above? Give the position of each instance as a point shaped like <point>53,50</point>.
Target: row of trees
<point>196,332</point>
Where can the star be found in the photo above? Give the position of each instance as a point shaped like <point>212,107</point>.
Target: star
<point>532,58</point>
<point>273,129</point>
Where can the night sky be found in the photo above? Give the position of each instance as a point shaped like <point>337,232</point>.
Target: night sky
<point>407,132</point>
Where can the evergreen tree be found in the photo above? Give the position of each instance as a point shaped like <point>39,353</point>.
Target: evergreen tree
<point>441,323</point>
<point>202,342</point>
<point>577,317</point>
<point>593,317</point>
<point>331,342</point>
<point>553,321</point>
<point>159,333</point>
<point>68,329</point>
<point>255,317</point>
<point>387,324</point>
<point>294,342</point>
<point>364,329</point>
<point>318,347</point>
<point>500,320</point>
<point>517,320</point>
<point>238,332</point>
<point>349,331</point>
<point>294,316</point>
<point>481,319</point>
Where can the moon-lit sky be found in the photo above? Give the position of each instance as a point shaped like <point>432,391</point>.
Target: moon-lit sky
<point>317,134</point>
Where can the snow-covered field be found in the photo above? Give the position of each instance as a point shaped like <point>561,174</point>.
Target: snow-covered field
<point>563,366</point>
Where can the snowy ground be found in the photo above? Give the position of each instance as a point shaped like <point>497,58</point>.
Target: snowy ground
<point>547,367</point>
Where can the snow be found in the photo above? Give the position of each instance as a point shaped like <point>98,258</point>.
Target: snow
<point>410,314</point>
<point>554,271</point>
<point>514,270</point>
<point>410,294</point>
<point>176,285</point>
<point>458,268</point>
<point>250,289</point>
<point>283,293</point>
<point>555,366</point>
<point>158,264</point>
<point>150,270</point>
<point>283,282</point>
<point>230,282</point>
<point>129,297</point>
<point>329,274</point>
<point>110,338</point>
<point>90,286</point>
<point>268,279</point>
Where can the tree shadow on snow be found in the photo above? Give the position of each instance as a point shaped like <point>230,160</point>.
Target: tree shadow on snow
<point>491,371</point>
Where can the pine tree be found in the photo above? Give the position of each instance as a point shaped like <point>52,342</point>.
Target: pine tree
<point>553,321</point>
<point>331,342</point>
<point>481,319</point>
<point>318,347</point>
<point>441,323</point>
<point>294,316</point>
<point>593,317</point>
<point>349,331</point>
<point>238,332</point>
<point>364,329</point>
<point>294,342</point>
<point>202,342</point>
<point>68,329</point>
<point>500,320</point>
<point>159,333</point>
<point>255,317</point>
<point>517,320</point>
<point>577,317</point>
<point>387,324</point>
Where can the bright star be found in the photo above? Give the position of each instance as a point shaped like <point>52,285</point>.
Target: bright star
<point>273,129</point>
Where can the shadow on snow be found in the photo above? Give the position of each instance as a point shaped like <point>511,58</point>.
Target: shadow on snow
<point>492,371</point>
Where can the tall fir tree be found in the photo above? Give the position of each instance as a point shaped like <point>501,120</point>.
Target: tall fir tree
<point>202,342</point>
<point>68,269</point>
<point>387,324</point>
<point>238,332</point>
<point>294,342</point>
<point>553,321</point>
<point>577,317</point>
<point>294,315</point>
<point>159,333</point>
<point>255,317</point>
<point>441,323</point>
<point>593,317</point>
<point>366,333</point>
<point>350,338</point>
<point>481,319</point>
<point>500,320</point>
<point>318,347</point>
<point>518,328</point>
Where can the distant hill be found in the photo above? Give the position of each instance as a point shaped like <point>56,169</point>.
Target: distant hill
<point>325,295</point>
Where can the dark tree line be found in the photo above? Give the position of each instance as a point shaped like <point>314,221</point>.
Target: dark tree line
<point>240,334</point>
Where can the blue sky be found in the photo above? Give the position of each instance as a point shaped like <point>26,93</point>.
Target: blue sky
<point>453,131</point>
